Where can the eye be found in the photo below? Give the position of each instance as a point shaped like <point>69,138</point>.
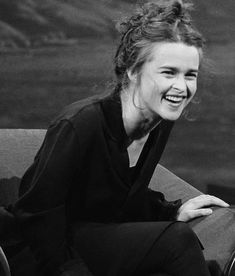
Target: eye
<point>168,72</point>
<point>191,75</point>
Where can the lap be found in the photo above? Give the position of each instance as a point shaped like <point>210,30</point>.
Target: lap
<point>116,248</point>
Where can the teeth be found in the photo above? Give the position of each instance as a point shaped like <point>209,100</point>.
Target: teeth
<point>174,98</point>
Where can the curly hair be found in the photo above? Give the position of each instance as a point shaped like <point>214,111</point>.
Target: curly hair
<point>157,21</point>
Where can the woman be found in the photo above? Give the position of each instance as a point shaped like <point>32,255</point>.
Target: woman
<point>86,194</point>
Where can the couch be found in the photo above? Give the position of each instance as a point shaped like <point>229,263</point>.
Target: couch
<point>17,150</point>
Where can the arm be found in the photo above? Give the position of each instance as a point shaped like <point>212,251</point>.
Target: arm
<point>40,212</point>
<point>194,202</point>
<point>164,210</point>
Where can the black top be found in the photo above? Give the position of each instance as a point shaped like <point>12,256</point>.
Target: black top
<point>81,173</point>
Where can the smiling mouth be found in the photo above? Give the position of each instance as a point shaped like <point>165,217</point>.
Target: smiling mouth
<point>174,99</point>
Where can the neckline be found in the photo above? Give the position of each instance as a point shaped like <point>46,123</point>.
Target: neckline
<point>133,150</point>
<point>137,168</point>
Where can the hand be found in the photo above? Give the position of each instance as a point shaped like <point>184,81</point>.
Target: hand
<point>195,207</point>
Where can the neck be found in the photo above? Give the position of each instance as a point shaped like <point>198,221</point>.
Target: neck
<point>136,121</point>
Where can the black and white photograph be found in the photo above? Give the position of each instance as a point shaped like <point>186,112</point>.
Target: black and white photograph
<point>117,138</point>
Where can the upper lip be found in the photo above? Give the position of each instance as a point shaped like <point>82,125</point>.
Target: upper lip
<point>175,95</point>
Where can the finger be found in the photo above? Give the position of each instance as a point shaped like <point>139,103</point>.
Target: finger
<point>200,212</point>
<point>192,214</point>
<point>219,201</point>
<point>199,202</point>
<point>206,200</point>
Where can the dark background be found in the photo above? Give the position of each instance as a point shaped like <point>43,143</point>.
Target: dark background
<point>54,52</point>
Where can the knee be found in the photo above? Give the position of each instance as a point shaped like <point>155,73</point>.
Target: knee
<point>183,235</point>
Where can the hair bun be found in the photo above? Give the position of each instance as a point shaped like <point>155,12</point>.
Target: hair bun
<point>161,10</point>
<point>177,8</point>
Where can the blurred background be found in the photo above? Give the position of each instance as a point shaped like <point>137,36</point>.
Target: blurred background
<point>54,52</point>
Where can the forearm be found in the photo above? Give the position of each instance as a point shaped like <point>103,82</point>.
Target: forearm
<point>9,230</point>
<point>45,233</point>
<point>164,210</point>
<point>40,211</point>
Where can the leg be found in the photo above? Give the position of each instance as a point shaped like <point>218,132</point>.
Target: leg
<point>115,249</point>
<point>176,252</point>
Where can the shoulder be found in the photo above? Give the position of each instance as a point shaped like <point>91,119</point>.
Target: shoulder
<point>85,116</point>
<point>78,109</point>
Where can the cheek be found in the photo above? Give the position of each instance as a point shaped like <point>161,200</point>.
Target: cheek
<point>149,89</point>
<point>155,94</point>
<point>192,88</point>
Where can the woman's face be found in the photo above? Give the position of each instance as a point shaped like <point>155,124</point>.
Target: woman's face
<point>168,80</point>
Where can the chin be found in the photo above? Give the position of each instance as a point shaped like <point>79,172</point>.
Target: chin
<point>171,117</point>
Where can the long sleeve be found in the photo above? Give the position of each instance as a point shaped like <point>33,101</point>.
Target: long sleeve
<point>41,211</point>
<point>162,209</point>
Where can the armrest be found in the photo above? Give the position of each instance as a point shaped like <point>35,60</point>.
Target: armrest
<point>171,185</point>
<point>4,267</point>
<point>18,148</point>
<point>216,232</point>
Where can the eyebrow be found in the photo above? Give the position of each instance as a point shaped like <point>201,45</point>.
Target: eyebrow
<point>176,69</point>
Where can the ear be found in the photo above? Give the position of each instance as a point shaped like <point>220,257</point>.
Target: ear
<point>132,76</point>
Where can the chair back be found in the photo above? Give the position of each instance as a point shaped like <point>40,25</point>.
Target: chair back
<point>17,150</point>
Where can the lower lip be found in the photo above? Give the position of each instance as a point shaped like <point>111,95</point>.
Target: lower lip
<point>174,104</point>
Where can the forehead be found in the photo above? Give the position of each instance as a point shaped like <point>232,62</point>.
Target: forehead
<point>175,54</point>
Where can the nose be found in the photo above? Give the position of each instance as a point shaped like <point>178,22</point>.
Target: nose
<point>180,83</point>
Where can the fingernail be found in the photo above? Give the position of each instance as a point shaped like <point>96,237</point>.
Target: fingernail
<point>209,212</point>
